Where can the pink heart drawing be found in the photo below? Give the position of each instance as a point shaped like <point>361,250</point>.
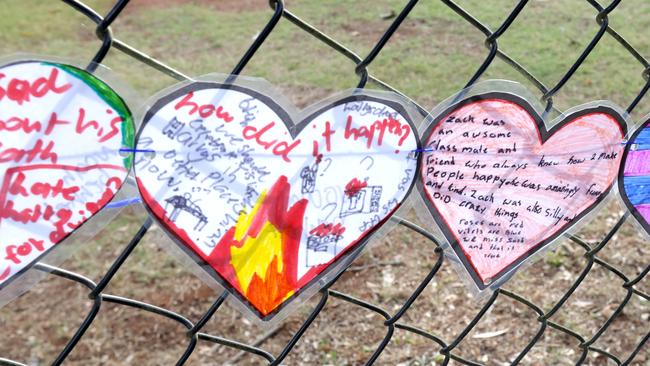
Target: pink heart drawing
<point>61,129</point>
<point>266,207</point>
<point>501,186</point>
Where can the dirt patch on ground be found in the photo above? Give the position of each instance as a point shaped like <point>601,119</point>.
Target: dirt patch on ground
<point>228,6</point>
<point>39,323</point>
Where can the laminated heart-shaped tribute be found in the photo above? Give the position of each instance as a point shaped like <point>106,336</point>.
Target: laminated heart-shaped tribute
<point>634,176</point>
<point>61,129</point>
<point>502,186</point>
<point>265,206</point>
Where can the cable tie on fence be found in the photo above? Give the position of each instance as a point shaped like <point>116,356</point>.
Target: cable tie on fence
<point>137,150</point>
<point>428,149</point>
<point>633,146</point>
<point>123,203</point>
<point>412,153</point>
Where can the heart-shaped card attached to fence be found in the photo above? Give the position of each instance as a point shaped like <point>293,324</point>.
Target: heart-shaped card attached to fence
<point>634,176</point>
<point>61,131</point>
<point>268,207</point>
<point>502,186</point>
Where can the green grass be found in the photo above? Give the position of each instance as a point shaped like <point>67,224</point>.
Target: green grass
<point>430,57</point>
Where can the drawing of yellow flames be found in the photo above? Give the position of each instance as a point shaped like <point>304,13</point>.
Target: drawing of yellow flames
<point>262,249</point>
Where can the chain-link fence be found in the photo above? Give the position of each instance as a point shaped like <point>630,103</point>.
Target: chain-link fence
<point>448,349</point>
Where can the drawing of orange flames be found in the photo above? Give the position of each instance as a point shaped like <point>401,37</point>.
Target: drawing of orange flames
<point>258,255</point>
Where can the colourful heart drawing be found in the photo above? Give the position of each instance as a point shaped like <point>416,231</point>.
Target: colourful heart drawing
<point>634,175</point>
<point>501,186</point>
<point>61,129</point>
<point>268,208</point>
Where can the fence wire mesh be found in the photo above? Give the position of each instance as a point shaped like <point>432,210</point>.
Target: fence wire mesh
<point>401,317</point>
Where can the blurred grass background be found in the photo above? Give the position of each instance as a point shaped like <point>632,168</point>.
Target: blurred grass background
<point>433,54</point>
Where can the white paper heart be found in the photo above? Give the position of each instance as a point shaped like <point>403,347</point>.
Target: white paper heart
<point>265,206</point>
<point>61,130</point>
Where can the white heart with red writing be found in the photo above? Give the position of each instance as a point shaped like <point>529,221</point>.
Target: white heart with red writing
<point>268,208</point>
<point>61,130</point>
<point>501,186</point>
